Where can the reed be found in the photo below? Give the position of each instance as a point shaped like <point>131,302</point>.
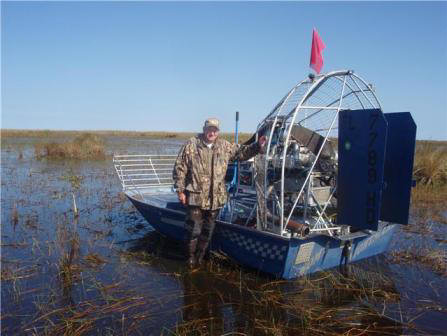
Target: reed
<point>68,266</point>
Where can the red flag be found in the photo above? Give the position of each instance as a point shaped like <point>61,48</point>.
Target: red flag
<point>316,54</point>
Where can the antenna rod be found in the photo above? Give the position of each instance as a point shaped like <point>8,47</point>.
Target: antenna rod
<point>236,140</point>
<point>236,134</point>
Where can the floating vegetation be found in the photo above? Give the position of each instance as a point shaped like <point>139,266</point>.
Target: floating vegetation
<point>435,259</point>
<point>11,274</point>
<point>94,260</point>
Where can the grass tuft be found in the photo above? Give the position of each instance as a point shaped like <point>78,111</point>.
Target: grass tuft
<point>430,164</point>
<point>84,146</point>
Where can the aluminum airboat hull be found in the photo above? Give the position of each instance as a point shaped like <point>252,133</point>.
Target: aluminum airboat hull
<point>282,257</point>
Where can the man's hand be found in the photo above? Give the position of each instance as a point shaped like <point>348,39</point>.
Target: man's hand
<point>182,198</point>
<point>262,141</point>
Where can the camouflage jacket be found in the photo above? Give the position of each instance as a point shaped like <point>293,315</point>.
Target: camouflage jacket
<point>200,171</point>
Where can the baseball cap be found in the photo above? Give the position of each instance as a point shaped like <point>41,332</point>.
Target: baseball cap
<point>211,122</point>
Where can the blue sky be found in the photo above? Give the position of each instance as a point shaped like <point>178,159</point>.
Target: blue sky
<point>157,66</point>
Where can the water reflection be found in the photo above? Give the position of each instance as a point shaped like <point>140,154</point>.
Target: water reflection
<point>224,298</point>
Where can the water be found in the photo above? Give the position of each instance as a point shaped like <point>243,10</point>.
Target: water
<point>107,272</point>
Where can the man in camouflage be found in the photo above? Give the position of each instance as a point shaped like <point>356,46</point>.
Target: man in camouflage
<point>199,178</point>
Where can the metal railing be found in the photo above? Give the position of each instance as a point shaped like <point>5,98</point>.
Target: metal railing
<point>144,171</point>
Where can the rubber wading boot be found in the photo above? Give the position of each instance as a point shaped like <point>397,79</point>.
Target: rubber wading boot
<point>192,246</point>
<point>201,251</point>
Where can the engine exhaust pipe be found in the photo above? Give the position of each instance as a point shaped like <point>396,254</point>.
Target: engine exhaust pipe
<point>301,229</point>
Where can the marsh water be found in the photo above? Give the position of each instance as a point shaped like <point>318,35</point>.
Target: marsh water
<point>107,272</point>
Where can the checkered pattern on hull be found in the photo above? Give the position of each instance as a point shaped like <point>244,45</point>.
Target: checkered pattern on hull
<point>262,249</point>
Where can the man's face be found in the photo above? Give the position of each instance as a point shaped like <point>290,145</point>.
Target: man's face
<point>211,134</point>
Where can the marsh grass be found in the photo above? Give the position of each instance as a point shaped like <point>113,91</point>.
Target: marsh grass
<point>430,164</point>
<point>435,258</point>
<point>97,294</point>
<point>429,195</point>
<point>430,174</point>
<point>14,274</point>
<point>82,319</point>
<point>69,268</point>
<point>74,180</point>
<point>84,146</point>
<point>132,134</point>
<point>327,304</point>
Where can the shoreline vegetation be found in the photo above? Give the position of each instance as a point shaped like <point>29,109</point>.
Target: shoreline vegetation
<point>430,162</point>
<point>147,134</point>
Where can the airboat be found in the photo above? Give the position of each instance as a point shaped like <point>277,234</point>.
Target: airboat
<point>331,187</point>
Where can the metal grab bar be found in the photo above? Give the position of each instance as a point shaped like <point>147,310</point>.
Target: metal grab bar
<point>144,171</point>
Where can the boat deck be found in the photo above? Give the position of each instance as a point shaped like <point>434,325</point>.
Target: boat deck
<point>160,197</point>
<point>167,198</point>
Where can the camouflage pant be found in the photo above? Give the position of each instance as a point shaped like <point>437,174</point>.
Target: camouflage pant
<point>200,225</point>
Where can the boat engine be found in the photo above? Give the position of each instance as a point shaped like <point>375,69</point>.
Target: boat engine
<point>298,158</point>
<point>334,162</point>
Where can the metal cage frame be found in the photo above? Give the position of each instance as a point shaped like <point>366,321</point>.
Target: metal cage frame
<point>300,105</point>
